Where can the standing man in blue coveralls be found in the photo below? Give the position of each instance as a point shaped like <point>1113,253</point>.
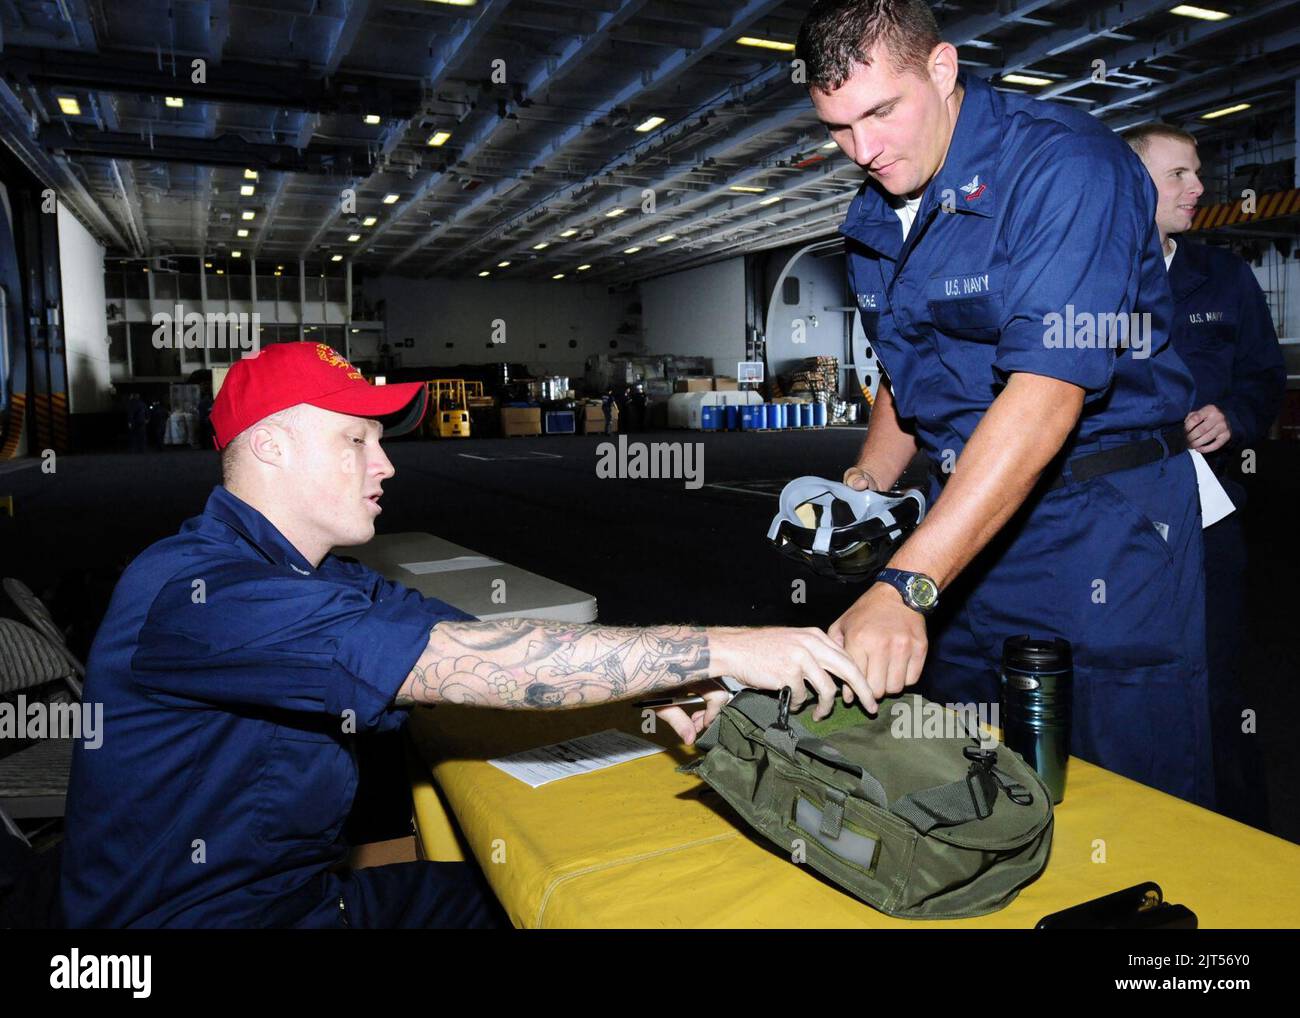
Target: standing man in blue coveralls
<point>239,658</point>
<point>1005,260</point>
<point>1224,334</point>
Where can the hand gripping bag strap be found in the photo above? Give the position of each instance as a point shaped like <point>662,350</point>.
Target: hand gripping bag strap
<point>793,738</point>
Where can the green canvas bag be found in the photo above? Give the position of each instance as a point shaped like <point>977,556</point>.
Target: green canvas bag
<point>919,828</point>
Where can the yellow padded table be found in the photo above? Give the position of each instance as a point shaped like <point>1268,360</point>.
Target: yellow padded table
<point>639,845</point>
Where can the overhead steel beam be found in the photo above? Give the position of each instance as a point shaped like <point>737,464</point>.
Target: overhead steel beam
<point>461,41</point>
<point>667,72</point>
<point>1169,44</point>
<point>269,213</point>
<point>1264,46</point>
<point>1096,25</point>
<point>767,163</point>
<point>124,180</point>
<point>349,28</point>
<point>729,143</point>
<point>252,84</point>
<point>965,30</point>
<point>17,131</point>
<point>813,220</point>
<point>201,205</point>
<point>574,53</point>
<point>218,30</point>
<point>224,150</point>
<point>959,33</point>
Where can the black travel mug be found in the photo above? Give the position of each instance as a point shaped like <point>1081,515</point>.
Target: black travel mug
<point>1037,681</point>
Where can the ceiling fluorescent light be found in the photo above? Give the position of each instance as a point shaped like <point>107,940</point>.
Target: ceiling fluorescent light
<point>1025,79</point>
<point>759,43</point>
<point>1215,114</point>
<point>1200,13</point>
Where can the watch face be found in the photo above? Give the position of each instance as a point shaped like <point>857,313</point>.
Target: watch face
<point>922,591</point>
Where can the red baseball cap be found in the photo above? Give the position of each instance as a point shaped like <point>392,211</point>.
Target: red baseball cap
<point>286,374</point>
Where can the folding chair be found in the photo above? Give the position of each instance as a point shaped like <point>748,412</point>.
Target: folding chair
<point>34,780</point>
<point>34,610</point>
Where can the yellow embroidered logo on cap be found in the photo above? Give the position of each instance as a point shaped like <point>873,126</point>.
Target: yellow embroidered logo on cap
<point>331,357</point>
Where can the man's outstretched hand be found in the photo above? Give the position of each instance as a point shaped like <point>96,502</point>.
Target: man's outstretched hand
<point>772,658</point>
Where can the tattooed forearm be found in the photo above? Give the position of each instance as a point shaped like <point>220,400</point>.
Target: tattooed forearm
<point>526,664</point>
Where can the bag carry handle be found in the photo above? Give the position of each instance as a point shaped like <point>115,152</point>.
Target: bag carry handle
<point>789,737</point>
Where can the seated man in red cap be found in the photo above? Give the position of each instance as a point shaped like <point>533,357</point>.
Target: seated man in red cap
<point>238,659</point>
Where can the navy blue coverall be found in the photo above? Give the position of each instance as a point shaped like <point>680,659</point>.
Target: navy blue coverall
<point>1034,235</point>
<point>233,675</point>
<point>1225,336</point>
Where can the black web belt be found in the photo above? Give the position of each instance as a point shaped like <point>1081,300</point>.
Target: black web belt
<point>1172,441</point>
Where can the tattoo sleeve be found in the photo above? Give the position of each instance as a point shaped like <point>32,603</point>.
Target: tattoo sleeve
<point>528,664</point>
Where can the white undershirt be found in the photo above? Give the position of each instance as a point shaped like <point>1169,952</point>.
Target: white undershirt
<point>1169,258</point>
<point>907,214</point>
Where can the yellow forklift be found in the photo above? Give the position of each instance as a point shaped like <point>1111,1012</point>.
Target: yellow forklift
<point>450,406</point>
<point>477,401</point>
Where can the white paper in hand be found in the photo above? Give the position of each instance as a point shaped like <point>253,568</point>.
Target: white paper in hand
<point>1215,503</point>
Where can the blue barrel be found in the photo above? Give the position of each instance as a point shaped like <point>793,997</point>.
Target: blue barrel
<point>773,415</point>
<point>709,418</point>
<point>819,415</point>
<point>789,415</point>
<point>733,418</point>
<point>759,411</point>
<point>805,415</point>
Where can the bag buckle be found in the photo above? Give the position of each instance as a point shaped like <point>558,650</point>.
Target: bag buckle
<point>783,709</point>
<point>1016,792</point>
<point>980,781</point>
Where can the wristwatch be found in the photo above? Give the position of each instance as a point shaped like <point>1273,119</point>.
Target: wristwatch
<point>920,593</point>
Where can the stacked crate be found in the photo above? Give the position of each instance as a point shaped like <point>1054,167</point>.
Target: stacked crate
<point>817,376</point>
